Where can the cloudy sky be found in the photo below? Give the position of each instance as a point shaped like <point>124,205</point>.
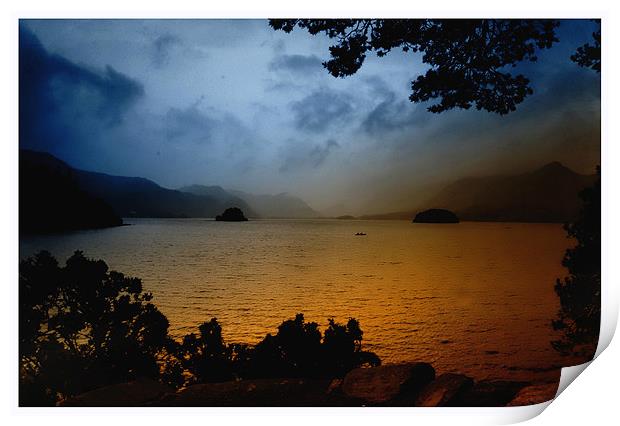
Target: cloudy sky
<point>237,104</point>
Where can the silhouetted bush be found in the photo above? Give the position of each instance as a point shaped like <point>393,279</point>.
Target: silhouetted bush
<point>206,356</point>
<point>579,317</point>
<point>297,350</point>
<point>343,348</point>
<point>82,327</point>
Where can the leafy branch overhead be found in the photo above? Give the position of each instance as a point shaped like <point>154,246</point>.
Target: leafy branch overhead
<point>589,56</point>
<point>469,60</point>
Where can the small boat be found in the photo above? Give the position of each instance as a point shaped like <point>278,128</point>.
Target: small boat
<point>360,233</point>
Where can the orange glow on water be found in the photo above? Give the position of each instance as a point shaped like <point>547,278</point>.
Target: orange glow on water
<point>476,298</point>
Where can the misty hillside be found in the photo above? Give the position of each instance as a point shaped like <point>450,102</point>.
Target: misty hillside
<point>223,197</point>
<point>277,206</point>
<point>131,196</point>
<point>548,194</point>
<point>51,200</point>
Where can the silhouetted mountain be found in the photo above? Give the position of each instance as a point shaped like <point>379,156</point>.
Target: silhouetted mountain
<point>223,197</point>
<point>277,206</point>
<point>548,194</point>
<point>138,197</point>
<point>51,199</point>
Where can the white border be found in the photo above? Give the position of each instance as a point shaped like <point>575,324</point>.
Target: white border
<point>581,403</point>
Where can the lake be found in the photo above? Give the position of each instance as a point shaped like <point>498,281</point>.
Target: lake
<point>475,298</point>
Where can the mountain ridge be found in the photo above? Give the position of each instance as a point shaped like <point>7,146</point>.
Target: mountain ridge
<point>546,194</point>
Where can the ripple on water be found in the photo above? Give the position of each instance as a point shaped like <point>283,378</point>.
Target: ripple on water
<point>477,298</point>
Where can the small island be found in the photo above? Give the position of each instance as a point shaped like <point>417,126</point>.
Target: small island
<point>436,216</point>
<point>232,214</point>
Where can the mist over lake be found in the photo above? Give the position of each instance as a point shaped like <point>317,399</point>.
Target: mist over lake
<point>473,297</point>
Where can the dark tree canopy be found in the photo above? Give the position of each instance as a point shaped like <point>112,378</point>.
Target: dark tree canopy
<point>298,349</point>
<point>82,327</point>
<point>589,56</point>
<point>579,316</point>
<point>469,60</point>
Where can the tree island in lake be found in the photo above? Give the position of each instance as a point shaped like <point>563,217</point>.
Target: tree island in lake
<point>436,216</point>
<point>232,214</point>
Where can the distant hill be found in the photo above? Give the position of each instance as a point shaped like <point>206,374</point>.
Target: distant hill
<point>51,199</point>
<point>135,196</point>
<point>140,197</point>
<point>277,206</point>
<point>548,194</point>
<point>223,197</point>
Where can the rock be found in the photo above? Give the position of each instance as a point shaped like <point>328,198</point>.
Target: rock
<point>258,393</point>
<point>131,394</point>
<point>444,391</point>
<point>436,216</point>
<point>491,393</point>
<point>335,386</point>
<point>232,214</point>
<point>535,394</point>
<point>382,384</point>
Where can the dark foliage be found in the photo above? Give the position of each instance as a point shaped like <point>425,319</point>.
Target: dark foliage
<point>206,357</point>
<point>297,350</point>
<point>435,216</point>
<point>231,214</point>
<point>468,59</point>
<point>82,327</point>
<point>580,293</point>
<point>590,56</point>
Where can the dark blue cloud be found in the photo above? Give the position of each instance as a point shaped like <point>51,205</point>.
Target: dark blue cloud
<point>303,64</point>
<point>162,46</point>
<point>300,157</point>
<point>188,124</point>
<point>392,114</point>
<point>321,110</point>
<point>59,100</point>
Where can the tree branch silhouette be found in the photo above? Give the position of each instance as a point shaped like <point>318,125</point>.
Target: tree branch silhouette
<point>468,60</point>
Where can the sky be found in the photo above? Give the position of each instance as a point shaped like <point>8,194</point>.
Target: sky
<point>236,104</point>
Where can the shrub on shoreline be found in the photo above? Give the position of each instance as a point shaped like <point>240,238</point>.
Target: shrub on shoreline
<point>82,327</point>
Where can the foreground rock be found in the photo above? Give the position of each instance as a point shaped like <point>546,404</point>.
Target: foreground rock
<point>132,394</point>
<point>232,214</point>
<point>535,394</point>
<point>491,393</point>
<point>259,393</point>
<point>389,382</point>
<point>410,384</point>
<point>445,391</point>
<point>436,216</point>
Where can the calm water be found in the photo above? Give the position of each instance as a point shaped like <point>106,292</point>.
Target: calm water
<point>476,298</point>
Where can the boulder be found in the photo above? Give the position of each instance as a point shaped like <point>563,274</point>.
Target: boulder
<point>535,394</point>
<point>444,391</point>
<point>136,393</point>
<point>381,384</point>
<point>436,216</point>
<point>491,393</point>
<point>232,214</point>
<point>259,393</point>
